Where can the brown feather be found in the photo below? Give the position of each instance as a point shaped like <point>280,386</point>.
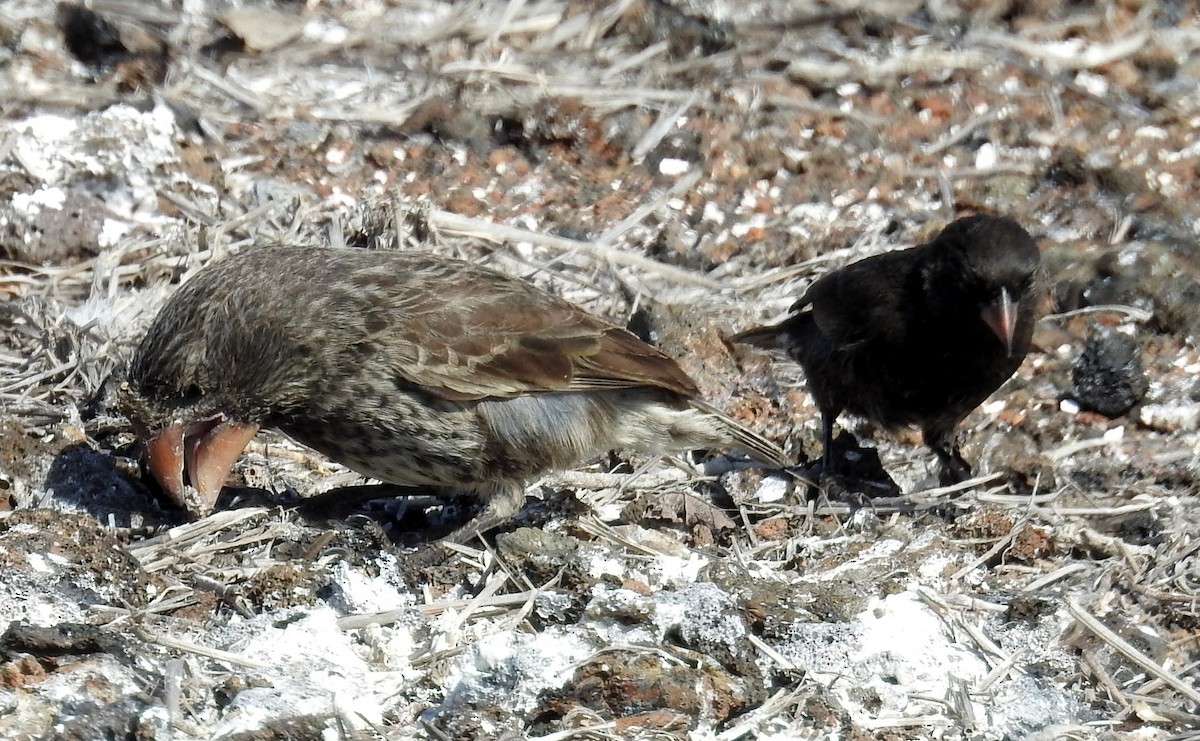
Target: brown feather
<point>409,368</point>
<point>509,342</point>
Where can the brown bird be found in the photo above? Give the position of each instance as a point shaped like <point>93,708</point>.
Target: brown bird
<point>409,368</point>
<point>916,337</point>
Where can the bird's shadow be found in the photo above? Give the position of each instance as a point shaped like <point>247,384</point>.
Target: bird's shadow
<point>856,474</point>
<point>403,508</point>
<point>403,515</point>
<point>84,479</point>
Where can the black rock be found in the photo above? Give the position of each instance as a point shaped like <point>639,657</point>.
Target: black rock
<point>1108,375</point>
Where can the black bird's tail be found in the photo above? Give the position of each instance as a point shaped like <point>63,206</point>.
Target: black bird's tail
<point>771,337</point>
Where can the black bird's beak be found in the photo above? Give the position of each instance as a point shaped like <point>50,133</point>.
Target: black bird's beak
<point>1001,317</point>
<point>204,451</point>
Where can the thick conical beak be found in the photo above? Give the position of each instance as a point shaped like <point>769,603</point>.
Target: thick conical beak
<point>199,454</point>
<point>1001,316</point>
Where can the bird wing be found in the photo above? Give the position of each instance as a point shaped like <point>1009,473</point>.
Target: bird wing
<point>466,332</point>
<point>862,302</point>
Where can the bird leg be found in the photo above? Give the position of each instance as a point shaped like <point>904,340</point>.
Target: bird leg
<point>954,469</point>
<point>827,420</point>
<point>812,473</point>
<point>501,503</point>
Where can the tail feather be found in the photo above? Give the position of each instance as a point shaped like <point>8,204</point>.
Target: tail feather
<point>745,439</point>
<point>768,338</point>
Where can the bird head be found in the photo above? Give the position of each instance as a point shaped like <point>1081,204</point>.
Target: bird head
<point>995,265</point>
<point>190,442</point>
<point>200,384</point>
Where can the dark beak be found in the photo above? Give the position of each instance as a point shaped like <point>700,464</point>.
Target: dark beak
<point>204,452</point>
<point>1001,316</point>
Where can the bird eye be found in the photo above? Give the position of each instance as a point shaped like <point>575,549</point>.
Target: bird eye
<point>192,392</point>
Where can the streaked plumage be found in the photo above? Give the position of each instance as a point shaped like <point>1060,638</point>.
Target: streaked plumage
<point>406,367</point>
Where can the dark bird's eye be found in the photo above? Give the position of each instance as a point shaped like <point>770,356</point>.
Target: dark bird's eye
<point>192,392</point>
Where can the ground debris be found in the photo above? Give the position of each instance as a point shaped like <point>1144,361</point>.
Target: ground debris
<point>683,168</point>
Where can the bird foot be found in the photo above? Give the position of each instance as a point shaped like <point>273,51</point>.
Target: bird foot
<point>501,503</point>
<point>950,476</point>
<point>855,488</point>
<point>476,527</point>
<point>837,483</point>
<point>953,469</point>
<point>342,501</point>
<point>809,473</point>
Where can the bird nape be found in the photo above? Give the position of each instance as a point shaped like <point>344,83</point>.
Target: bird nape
<point>918,336</point>
<point>408,368</point>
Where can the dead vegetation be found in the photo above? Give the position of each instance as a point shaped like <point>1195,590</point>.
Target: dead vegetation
<point>685,167</point>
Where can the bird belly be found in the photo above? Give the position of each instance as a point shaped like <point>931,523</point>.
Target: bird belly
<point>478,445</point>
<point>917,385</point>
<point>538,433</point>
<point>407,439</point>
<point>414,439</point>
<point>543,432</point>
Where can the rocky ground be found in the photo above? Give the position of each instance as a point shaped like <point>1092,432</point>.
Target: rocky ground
<point>686,168</point>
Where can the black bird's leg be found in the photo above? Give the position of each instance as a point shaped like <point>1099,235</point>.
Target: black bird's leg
<point>827,420</point>
<point>954,469</point>
<point>814,472</point>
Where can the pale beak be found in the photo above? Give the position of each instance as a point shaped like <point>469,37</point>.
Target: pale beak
<point>204,452</point>
<point>1001,316</point>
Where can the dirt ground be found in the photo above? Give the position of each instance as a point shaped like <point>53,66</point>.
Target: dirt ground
<point>685,168</point>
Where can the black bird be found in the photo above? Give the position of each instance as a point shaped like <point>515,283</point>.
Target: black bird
<point>916,337</point>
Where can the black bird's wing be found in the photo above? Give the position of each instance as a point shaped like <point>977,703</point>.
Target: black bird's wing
<point>863,302</point>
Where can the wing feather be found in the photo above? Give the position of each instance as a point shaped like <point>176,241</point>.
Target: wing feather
<point>466,332</point>
<point>860,302</point>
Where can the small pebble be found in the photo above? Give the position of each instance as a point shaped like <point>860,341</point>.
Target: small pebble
<point>1170,417</point>
<point>672,167</point>
<point>772,489</point>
